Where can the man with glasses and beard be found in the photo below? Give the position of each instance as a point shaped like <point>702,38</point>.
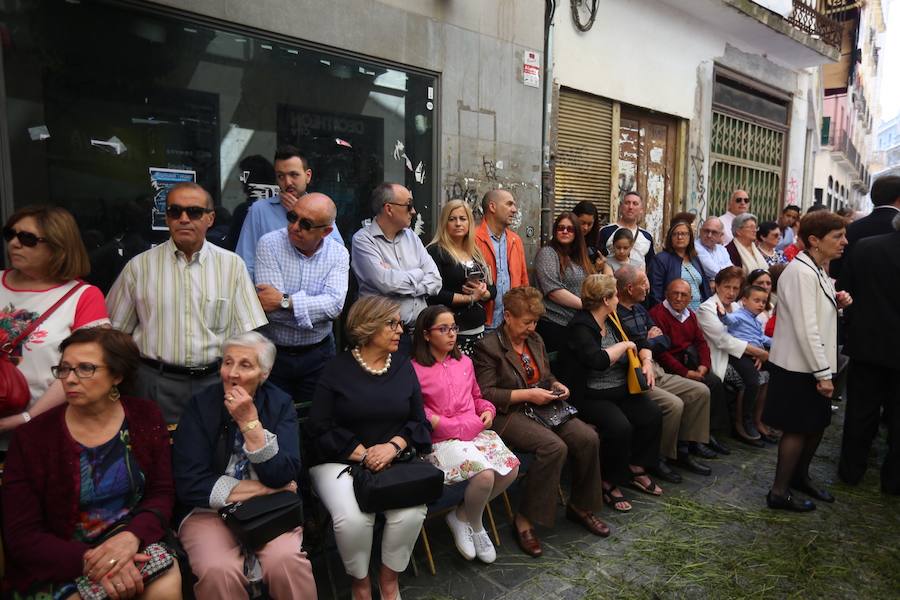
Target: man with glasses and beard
<point>180,301</point>
<point>737,205</point>
<point>389,259</point>
<point>301,280</point>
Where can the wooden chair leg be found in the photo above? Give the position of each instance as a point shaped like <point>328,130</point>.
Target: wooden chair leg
<point>508,506</point>
<point>562,496</point>
<point>428,555</point>
<point>490,516</point>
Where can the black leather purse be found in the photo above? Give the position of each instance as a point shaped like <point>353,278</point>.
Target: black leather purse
<point>259,520</point>
<point>551,415</point>
<point>407,481</point>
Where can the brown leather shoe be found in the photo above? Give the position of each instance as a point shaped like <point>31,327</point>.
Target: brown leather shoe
<point>589,521</point>
<point>529,543</point>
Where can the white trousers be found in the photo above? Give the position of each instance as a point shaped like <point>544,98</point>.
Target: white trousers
<point>354,529</point>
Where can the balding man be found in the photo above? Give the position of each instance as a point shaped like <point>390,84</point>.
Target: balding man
<point>631,209</point>
<point>738,204</point>
<point>301,280</point>
<point>710,250</point>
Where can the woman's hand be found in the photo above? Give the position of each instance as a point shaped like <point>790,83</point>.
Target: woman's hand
<point>825,387</point>
<point>844,299</point>
<point>112,556</point>
<point>127,583</point>
<point>240,405</point>
<point>435,419</point>
<point>562,392</point>
<point>380,456</point>
<point>10,423</point>
<point>487,419</point>
<point>540,396</point>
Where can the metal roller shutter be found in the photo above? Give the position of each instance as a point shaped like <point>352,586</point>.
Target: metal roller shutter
<point>583,151</point>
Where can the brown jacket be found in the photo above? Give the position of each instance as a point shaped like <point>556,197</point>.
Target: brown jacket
<point>499,371</point>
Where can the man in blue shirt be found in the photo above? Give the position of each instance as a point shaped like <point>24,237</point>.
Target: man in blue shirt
<point>293,174</point>
<point>301,280</point>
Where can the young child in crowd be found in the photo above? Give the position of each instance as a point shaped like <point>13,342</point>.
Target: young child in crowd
<point>743,323</point>
<point>464,446</point>
<point>622,243</point>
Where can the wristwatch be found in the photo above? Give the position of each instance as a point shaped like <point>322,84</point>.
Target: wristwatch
<point>285,301</point>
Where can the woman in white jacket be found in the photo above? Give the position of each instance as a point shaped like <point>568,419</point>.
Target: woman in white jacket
<point>804,359</point>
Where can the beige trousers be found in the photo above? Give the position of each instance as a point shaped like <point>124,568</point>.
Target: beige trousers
<point>685,407</point>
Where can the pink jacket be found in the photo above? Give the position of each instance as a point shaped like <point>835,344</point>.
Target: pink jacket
<point>451,392</point>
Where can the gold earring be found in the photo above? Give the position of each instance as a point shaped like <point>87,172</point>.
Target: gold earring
<point>114,394</point>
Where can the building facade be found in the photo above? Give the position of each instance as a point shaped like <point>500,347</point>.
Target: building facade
<point>887,155</point>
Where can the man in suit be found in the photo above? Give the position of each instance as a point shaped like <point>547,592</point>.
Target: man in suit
<point>885,195</point>
<point>871,278</point>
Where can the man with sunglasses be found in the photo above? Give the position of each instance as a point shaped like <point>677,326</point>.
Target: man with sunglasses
<point>301,280</point>
<point>389,259</point>
<point>293,175</point>
<point>180,301</point>
<point>737,205</point>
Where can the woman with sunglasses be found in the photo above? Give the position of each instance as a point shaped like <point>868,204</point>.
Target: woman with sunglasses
<point>464,447</point>
<point>767,239</point>
<point>464,273</point>
<point>47,260</point>
<point>678,260</point>
<point>513,372</point>
<point>561,267</point>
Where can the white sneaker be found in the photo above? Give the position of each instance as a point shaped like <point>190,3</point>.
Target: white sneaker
<point>462,535</point>
<point>484,549</point>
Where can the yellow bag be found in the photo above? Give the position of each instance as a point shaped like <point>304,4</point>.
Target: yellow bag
<point>636,380</point>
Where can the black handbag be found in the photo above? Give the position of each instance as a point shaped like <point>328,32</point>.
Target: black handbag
<point>401,484</point>
<point>259,520</point>
<point>551,415</point>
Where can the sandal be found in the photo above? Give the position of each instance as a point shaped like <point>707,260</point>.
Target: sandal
<point>614,501</point>
<point>652,489</point>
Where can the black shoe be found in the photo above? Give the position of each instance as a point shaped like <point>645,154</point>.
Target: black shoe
<point>813,492</point>
<point>756,443</point>
<point>788,503</point>
<point>752,431</point>
<point>686,461</point>
<point>662,471</point>
<point>702,450</point>
<point>718,446</point>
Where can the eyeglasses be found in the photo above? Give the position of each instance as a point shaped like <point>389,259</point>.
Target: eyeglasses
<point>565,229</point>
<point>26,238</point>
<point>304,224</point>
<point>742,200</point>
<point>394,324</point>
<point>526,364</point>
<point>174,211</point>
<point>408,206</point>
<point>445,329</point>
<point>711,232</point>
<point>82,370</point>
<point>681,234</point>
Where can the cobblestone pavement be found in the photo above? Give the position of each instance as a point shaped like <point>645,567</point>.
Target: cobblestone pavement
<point>709,537</point>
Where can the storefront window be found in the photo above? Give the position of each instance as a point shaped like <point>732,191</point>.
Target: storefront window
<point>99,94</point>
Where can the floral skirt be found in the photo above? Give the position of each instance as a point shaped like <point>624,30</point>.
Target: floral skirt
<point>461,461</point>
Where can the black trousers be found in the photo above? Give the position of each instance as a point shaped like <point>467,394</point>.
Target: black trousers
<point>750,376</point>
<point>869,389</point>
<point>629,426</point>
<point>553,334</point>
<point>719,417</point>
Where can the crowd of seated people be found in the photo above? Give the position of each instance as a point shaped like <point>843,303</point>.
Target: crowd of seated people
<point>443,360</point>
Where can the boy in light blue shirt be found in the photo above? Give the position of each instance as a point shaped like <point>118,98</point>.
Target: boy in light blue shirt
<point>742,323</point>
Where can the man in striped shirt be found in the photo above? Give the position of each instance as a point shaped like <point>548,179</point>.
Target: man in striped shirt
<point>180,301</point>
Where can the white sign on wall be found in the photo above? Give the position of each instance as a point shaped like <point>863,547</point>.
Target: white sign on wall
<point>531,68</point>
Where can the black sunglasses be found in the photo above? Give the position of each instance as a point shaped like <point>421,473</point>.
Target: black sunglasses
<point>409,206</point>
<point>193,212</point>
<point>742,200</point>
<point>26,238</point>
<point>526,364</point>
<point>304,224</point>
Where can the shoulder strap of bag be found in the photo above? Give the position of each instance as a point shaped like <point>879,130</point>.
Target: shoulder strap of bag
<point>614,317</point>
<point>9,348</point>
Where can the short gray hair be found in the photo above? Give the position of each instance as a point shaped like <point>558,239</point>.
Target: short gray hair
<point>627,275</point>
<point>265,349</point>
<point>741,220</point>
<point>381,195</point>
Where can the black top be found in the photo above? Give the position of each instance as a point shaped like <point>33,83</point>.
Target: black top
<point>352,407</point>
<point>453,274</point>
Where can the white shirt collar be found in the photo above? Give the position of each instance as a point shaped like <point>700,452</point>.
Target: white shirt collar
<point>681,316</point>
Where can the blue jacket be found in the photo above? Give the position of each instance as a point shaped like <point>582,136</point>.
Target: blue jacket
<point>197,442</point>
<point>666,267</point>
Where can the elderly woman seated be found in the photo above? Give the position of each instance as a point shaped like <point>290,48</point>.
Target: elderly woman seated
<point>513,372</point>
<point>368,409</point>
<point>237,440</point>
<point>88,484</point>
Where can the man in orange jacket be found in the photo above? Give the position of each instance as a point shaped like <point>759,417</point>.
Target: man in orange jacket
<point>502,249</point>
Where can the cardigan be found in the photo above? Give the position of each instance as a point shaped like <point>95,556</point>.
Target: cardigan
<point>451,393</point>
<point>665,268</point>
<point>515,257</point>
<point>721,343</point>
<point>805,340</point>
<point>42,485</point>
<point>682,336</point>
<point>453,277</point>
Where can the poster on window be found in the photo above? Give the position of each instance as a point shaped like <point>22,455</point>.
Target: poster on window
<point>162,180</point>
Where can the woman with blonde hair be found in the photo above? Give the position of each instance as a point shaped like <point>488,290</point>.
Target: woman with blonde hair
<point>466,278</point>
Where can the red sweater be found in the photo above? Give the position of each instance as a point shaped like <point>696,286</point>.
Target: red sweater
<point>682,335</point>
<point>42,484</point>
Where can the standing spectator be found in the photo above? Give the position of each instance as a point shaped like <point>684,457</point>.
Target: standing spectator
<point>389,260</point>
<point>872,277</point>
<point>180,300</point>
<point>738,204</point>
<point>589,220</point>
<point>47,259</point>
<point>301,281</point>
<point>768,238</point>
<point>712,254</point>
<point>502,249</point>
<point>678,260</point>
<point>293,175</point>
<point>256,174</point>
<point>631,209</point>
<point>560,268</point>
<point>466,282</point>
<point>885,195</point>
<point>787,223</point>
<point>804,359</point>
<point>742,249</point>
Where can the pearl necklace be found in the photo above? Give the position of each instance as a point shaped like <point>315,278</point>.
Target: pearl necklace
<point>358,356</point>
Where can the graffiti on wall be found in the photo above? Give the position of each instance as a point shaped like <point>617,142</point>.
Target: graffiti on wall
<point>792,185</point>
<point>699,192</point>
